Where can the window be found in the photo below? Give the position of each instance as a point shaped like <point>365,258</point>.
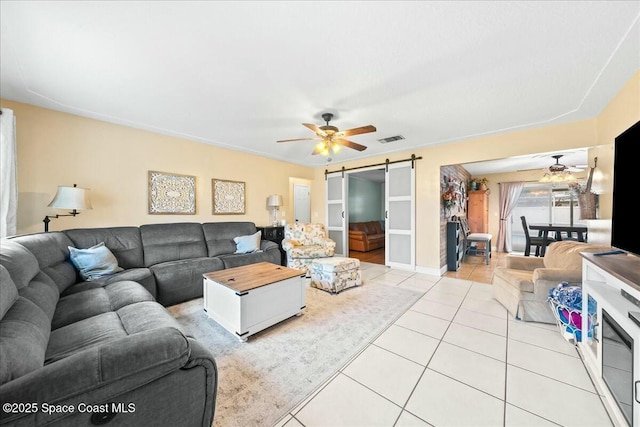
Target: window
<point>543,203</point>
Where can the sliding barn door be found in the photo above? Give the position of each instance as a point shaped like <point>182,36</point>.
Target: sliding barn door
<point>400,216</point>
<point>336,211</point>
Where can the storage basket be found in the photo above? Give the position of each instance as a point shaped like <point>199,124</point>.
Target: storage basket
<point>566,305</point>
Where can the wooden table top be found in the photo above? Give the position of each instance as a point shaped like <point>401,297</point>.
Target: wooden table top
<point>248,277</point>
<point>558,227</point>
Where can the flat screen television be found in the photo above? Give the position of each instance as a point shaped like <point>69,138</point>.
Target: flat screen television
<point>624,214</point>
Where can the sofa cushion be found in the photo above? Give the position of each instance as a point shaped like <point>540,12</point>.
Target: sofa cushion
<point>248,244</point>
<point>219,235</point>
<point>368,227</point>
<point>51,251</point>
<point>181,280</point>
<point>307,233</point>
<point>106,327</point>
<point>94,262</point>
<point>171,242</point>
<point>82,305</point>
<point>144,276</point>
<point>8,291</point>
<point>20,263</point>
<point>24,334</point>
<point>269,253</point>
<point>566,254</point>
<point>124,242</point>
<point>30,282</point>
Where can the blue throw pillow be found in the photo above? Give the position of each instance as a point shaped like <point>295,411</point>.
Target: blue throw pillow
<point>94,262</point>
<point>248,244</point>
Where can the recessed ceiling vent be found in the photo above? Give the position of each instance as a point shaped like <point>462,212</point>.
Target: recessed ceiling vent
<point>390,139</point>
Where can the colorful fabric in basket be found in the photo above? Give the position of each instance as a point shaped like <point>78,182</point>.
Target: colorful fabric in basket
<point>566,303</point>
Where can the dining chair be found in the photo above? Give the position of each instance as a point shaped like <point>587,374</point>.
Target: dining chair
<point>536,241</point>
<point>471,241</point>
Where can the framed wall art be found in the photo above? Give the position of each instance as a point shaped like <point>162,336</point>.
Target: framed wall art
<point>228,197</point>
<point>171,193</point>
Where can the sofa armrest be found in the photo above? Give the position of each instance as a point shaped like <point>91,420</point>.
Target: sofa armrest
<point>327,243</point>
<point>288,244</point>
<point>200,356</point>
<point>100,373</point>
<point>557,275</point>
<point>357,235</point>
<point>268,244</point>
<point>517,262</point>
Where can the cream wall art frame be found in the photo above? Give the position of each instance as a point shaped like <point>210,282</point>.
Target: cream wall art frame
<point>228,197</point>
<point>171,194</point>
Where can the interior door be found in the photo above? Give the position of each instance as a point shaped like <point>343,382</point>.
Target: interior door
<point>301,203</point>
<point>400,216</point>
<point>336,191</point>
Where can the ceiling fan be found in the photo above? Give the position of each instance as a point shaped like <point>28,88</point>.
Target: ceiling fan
<point>559,172</point>
<point>557,167</point>
<point>331,138</point>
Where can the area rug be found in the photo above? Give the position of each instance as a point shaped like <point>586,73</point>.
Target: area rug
<point>264,378</point>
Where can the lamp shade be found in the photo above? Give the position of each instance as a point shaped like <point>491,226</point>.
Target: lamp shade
<point>274,201</point>
<point>71,198</point>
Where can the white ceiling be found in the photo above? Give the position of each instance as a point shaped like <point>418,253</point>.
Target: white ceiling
<point>244,74</point>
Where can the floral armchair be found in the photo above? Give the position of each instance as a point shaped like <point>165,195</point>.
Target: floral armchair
<point>305,242</point>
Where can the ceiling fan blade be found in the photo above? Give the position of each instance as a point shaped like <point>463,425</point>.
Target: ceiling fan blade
<point>350,144</point>
<point>358,131</point>
<point>534,169</point>
<point>297,139</point>
<point>315,128</point>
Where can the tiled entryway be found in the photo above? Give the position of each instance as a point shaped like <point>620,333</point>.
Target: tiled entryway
<point>456,358</point>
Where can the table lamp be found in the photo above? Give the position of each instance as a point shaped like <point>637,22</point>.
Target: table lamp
<point>274,201</point>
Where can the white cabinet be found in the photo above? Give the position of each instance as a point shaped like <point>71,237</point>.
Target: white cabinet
<point>605,279</point>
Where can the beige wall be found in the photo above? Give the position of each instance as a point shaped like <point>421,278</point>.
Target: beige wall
<point>622,112</point>
<point>57,148</point>
<point>113,161</point>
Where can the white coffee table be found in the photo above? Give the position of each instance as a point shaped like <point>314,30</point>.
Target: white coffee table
<point>245,300</point>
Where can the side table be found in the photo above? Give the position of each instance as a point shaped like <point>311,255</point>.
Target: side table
<point>275,234</point>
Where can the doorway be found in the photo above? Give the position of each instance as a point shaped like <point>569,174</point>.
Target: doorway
<point>301,203</point>
<point>366,203</point>
<point>399,212</point>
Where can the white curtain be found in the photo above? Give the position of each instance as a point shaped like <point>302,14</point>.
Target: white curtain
<point>8,171</point>
<point>509,194</point>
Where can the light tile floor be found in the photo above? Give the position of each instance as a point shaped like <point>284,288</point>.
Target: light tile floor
<point>456,358</point>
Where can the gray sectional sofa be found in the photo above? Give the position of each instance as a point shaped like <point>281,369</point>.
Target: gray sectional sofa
<point>76,352</point>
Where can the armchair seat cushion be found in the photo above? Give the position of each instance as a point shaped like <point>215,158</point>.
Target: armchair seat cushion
<point>309,251</point>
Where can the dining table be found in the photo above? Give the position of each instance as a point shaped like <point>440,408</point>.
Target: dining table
<point>545,229</point>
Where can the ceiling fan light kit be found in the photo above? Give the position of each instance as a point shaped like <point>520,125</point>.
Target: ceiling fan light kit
<point>331,138</point>
<point>558,172</point>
